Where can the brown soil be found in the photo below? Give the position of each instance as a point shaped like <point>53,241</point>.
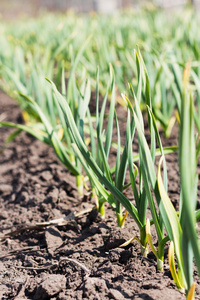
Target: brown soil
<point>35,187</point>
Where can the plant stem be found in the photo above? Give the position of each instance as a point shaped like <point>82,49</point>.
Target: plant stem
<point>79,184</point>
<point>120,219</point>
<point>143,241</point>
<point>101,207</point>
<point>160,257</point>
<point>159,265</point>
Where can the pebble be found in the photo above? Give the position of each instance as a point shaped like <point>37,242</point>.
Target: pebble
<point>50,286</point>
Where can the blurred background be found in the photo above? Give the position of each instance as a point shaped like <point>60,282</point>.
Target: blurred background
<point>14,8</point>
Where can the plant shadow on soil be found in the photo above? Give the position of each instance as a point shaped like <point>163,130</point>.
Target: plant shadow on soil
<point>34,188</point>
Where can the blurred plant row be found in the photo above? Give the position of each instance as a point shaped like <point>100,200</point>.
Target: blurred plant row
<point>91,60</point>
<point>33,49</point>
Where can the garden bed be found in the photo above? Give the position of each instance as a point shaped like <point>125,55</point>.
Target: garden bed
<point>36,188</point>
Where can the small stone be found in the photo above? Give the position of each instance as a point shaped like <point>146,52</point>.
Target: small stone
<point>116,294</point>
<point>53,239</point>
<point>5,188</point>
<point>3,215</point>
<point>50,286</point>
<point>46,176</point>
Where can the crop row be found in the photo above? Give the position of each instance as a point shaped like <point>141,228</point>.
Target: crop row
<point>87,55</point>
